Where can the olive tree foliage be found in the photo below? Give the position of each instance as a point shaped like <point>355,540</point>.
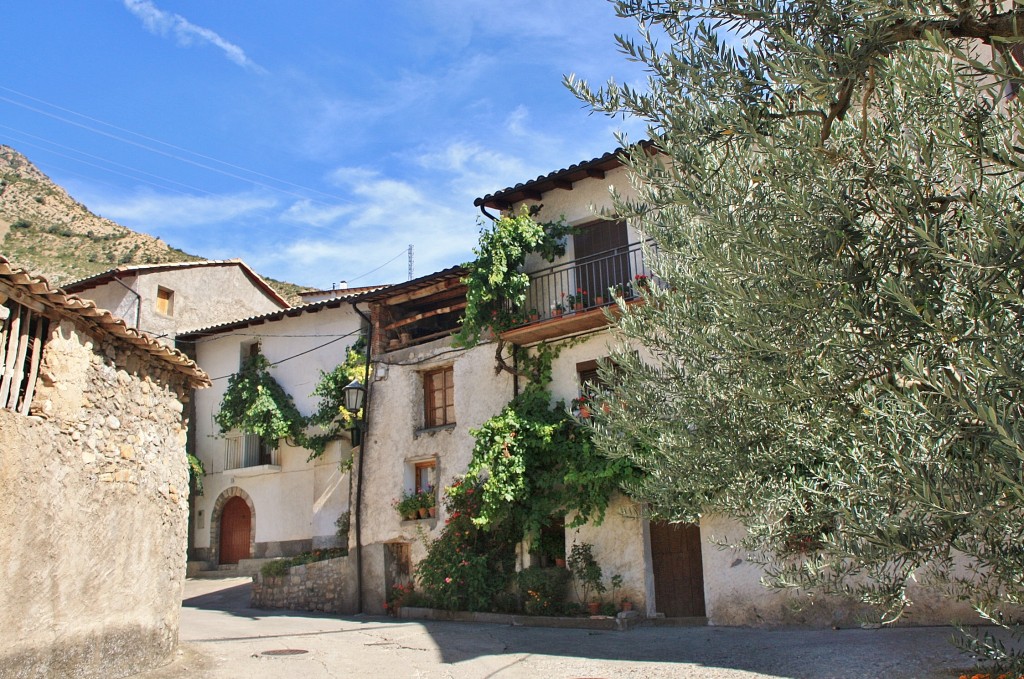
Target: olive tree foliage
<point>834,351</point>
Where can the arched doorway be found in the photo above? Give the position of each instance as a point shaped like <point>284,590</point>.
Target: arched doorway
<point>235,531</point>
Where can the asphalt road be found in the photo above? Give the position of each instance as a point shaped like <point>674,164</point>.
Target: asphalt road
<point>221,637</point>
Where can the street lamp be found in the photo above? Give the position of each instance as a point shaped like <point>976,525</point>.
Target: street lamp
<point>355,393</point>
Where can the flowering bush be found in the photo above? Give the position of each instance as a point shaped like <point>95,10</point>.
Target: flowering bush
<point>579,298</point>
<point>466,567</point>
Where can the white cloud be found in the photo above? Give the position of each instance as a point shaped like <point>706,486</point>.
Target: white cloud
<point>147,210</point>
<point>308,212</point>
<point>159,22</point>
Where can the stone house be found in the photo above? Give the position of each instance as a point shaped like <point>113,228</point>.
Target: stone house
<point>262,500</point>
<point>163,299</point>
<point>669,569</point>
<point>423,399</point>
<point>93,517</point>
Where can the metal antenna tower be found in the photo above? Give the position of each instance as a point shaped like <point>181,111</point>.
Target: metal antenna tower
<point>410,262</point>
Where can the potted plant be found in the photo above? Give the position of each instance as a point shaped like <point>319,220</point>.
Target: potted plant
<point>557,308</point>
<point>408,506</point>
<point>428,503</point>
<point>617,291</point>
<point>581,407</point>
<point>586,575</point>
<point>578,300</point>
<point>533,315</point>
<point>641,283</point>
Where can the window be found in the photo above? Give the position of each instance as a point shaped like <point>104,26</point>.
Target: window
<point>165,301</point>
<point>586,373</point>
<point>439,397</point>
<point>424,475</point>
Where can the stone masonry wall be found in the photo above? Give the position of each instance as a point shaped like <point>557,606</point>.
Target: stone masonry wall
<point>327,586</point>
<point>93,515</point>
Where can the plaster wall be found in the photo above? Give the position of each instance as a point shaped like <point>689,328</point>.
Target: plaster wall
<point>93,514</point>
<point>296,501</point>
<point>397,440</point>
<point>203,296</point>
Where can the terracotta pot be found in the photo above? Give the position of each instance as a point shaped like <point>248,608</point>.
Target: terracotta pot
<point>594,607</point>
<point>627,605</point>
<point>599,300</point>
<point>422,512</point>
<point>534,318</point>
<point>432,511</point>
<point>585,412</point>
<point>559,563</point>
<point>578,306</point>
<point>556,313</point>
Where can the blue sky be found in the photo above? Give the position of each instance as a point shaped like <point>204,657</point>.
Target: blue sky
<point>313,139</point>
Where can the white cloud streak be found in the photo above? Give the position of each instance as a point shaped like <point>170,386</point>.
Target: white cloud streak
<point>162,23</point>
<point>149,210</point>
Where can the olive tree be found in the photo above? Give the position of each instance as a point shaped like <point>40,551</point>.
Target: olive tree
<point>834,350</point>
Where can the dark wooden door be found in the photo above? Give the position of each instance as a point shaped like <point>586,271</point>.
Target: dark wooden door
<point>601,258</point>
<point>235,529</point>
<point>678,569</point>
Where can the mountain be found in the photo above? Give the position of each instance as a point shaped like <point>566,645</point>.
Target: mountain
<point>44,229</point>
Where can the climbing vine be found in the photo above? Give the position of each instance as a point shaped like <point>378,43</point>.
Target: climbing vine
<point>496,286</point>
<point>254,402</point>
<point>331,418</point>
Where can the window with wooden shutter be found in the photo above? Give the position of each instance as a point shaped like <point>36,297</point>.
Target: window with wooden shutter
<point>165,301</point>
<point>439,397</point>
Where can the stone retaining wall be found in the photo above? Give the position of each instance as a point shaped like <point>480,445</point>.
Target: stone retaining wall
<point>328,586</point>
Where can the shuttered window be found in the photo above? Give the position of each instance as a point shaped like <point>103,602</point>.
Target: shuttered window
<point>439,397</point>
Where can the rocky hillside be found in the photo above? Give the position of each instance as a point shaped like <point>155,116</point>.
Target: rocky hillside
<point>44,229</point>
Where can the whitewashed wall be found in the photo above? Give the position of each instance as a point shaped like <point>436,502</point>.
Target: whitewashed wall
<point>297,500</point>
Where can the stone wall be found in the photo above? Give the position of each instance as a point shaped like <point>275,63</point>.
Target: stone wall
<point>93,515</point>
<point>328,586</point>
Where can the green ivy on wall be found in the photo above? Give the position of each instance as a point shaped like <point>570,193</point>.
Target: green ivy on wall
<point>255,403</point>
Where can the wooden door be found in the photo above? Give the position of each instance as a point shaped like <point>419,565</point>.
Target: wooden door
<point>235,529</point>
<point>678,569</point>
<point>601,258</point>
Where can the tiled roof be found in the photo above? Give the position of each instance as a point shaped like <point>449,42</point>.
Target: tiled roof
<point>559,179</point>
<point>342,292</point>
<point>39,289</point>
<point>312,307</point>
<point>415,284</point>
<point>129,269</point>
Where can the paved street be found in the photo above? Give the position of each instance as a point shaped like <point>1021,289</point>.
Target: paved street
<point>222,637</point>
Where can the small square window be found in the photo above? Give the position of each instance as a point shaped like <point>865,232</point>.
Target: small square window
<point>439,397</point>
<point>165,301</point>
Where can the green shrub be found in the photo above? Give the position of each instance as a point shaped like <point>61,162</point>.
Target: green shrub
<point>273,569</point>
<point>543,590</point>
<point>21,224</point>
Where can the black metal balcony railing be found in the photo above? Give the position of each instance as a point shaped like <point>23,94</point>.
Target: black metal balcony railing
<point>586,283</point>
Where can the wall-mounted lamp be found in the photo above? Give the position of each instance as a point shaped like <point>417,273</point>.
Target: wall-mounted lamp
<point>355,395</point>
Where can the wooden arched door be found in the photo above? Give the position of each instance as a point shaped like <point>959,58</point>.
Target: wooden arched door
<point>235,529</point>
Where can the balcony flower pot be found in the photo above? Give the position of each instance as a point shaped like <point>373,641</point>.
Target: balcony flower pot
<point>557,313</point>
<point>423,512</point>
<point>578,306</point>
<point>432,512</point>
<point>593,607</point>
<point>627,605</point>
<point>559,563</point>
<point>599,300</point>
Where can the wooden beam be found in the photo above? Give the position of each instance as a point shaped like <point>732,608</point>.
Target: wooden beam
<point>426,314</point>
<point>562,184</point>
<point>595,174</point>
<point>440,286</point>
<point>529,194</point>
<point>37,351</point>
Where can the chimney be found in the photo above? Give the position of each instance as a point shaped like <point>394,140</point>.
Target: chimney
<point>343,285</point>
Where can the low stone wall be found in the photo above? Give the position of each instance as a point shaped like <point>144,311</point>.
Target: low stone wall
<point>328,586</point>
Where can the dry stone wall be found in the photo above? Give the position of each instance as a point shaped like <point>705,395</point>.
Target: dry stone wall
<point>327,586</point>
<point>93,516</point>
